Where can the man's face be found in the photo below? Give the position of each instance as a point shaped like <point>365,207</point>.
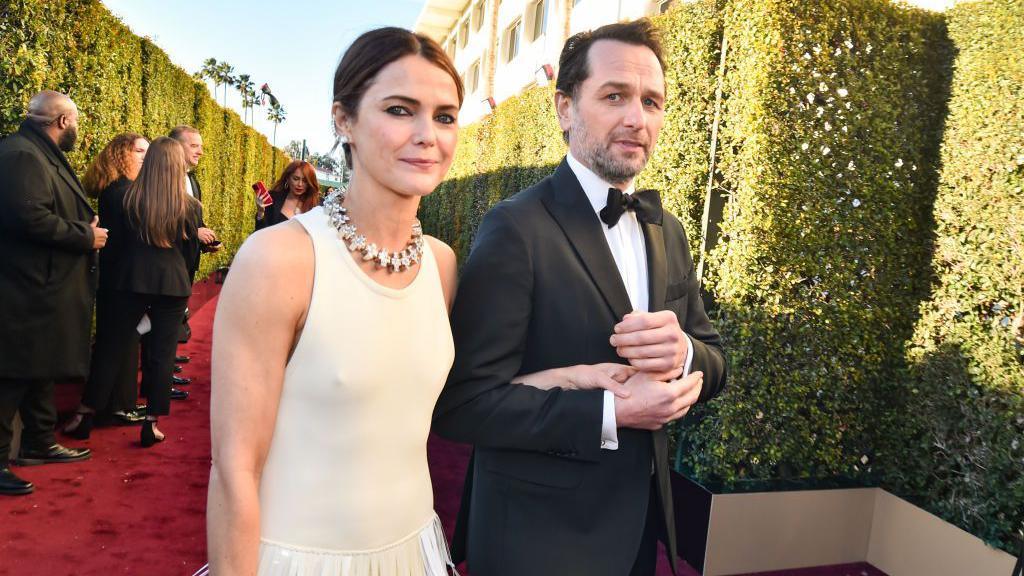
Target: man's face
<point>192,142</point>
<point>614,119</point>
<point>68,125</point>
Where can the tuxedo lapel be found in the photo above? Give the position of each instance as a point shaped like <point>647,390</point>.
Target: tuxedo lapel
<point>568,205</point>
<point>657,265</point>
<point>657,275</point>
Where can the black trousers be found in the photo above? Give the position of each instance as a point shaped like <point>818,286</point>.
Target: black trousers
<point>113,376</point>
<point>34,400</point>
<point>165,314</point>
<point>184,334</point>
<point>646,563</point>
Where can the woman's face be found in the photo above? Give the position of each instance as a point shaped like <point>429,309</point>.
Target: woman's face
<point>297,183</point>
<point>404,135</point>
<point>136,156</point>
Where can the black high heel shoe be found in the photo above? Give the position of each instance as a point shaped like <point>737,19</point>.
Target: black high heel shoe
<point>148,437</point>
<point>84,427</point>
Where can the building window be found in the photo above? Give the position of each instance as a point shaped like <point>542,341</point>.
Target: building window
<point>473,77</point>
<point>478,15</point>
<point>512,40</point>
<point>464,33</point>
<point>449,49</point>
<point>539,14</point>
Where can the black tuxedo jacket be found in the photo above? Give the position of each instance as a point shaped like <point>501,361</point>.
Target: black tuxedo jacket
<point>541,290</point>
<point>192,259</point>
<point>48,269</point>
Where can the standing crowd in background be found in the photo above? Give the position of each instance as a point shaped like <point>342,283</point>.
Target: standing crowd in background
<point>135,259</point>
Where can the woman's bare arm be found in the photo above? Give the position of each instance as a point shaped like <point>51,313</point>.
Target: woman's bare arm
<point>609,376</point>
<point>260,311</point>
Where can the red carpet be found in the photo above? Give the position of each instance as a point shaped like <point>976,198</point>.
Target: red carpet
<point>130,510</point>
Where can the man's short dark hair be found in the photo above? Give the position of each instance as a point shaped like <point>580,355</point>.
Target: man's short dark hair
<point>178,132</point>
<point>573,66</point>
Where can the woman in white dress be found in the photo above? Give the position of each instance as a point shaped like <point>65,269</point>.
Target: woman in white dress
<point>332,342</point>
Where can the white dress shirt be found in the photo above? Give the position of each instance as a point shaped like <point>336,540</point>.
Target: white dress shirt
<point>188,186</point>
<point>626,241</point>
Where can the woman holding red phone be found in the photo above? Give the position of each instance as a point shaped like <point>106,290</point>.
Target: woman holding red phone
<point>295,192</point>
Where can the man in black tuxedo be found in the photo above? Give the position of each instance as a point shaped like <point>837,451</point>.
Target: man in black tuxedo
<point>49,236</point>
<point>579,270</point>
<point>192,141</point>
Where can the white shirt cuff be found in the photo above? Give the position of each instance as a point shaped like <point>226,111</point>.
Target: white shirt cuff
<point>688,364</point>
<point>609,430</point>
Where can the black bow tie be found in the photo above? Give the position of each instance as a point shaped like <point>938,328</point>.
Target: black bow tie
<point>646,204</point>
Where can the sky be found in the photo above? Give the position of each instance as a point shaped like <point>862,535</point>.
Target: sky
<point>294,46</point>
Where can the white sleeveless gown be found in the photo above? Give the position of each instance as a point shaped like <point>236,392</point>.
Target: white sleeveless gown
<point>345,489</point>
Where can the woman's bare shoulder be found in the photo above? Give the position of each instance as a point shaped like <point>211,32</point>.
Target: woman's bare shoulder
<point>275,260</point>
<point>442,251</point>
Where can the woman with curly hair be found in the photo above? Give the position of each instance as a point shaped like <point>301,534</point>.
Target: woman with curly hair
<point>108,179</point>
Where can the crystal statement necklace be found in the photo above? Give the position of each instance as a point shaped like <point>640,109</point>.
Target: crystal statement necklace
<point>338,216</point>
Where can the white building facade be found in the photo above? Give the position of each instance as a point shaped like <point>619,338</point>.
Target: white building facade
<point>502,47</point>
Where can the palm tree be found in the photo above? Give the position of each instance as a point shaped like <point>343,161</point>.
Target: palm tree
<point>247,90</point>
<point>224,77</point>
<point>276,115</point>
<point>209,72</point>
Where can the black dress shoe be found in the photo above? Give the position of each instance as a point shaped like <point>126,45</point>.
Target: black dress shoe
<point>129,418</point>
<point>11,485</point>
<point>140,408</point>
<point>177,369</point>
<point>179,381</point>
<point>178,394</point>
<point>182,359</point>
<point>55,454</point>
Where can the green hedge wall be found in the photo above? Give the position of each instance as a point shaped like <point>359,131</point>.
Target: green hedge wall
<point>122,83</point>
<point>830,127</point>
<point>964,422</point>
<point>846,293</point>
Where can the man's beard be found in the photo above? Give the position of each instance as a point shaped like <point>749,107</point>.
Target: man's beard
<point>598,156</point>
<point>67,140</point>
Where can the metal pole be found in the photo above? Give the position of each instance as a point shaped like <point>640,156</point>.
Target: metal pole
<point>708,192</point>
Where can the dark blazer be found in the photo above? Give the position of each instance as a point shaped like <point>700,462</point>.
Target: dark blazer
<point>541,290</point>
<point>272,214</point>
<point>111,212</point>
<point>48,270</point>
<point>148,269</point>
<point>192,259</point>
<point>197,191</point>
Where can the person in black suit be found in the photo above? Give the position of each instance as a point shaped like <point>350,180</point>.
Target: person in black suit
<point>192,142</point>
<point>154,277</point>
<point>295,192</point>
<point>49,236</point>
<point>579,270</point>
<point>112,384</point>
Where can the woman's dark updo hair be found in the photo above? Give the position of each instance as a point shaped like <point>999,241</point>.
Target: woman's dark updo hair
<point>374,50</point>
